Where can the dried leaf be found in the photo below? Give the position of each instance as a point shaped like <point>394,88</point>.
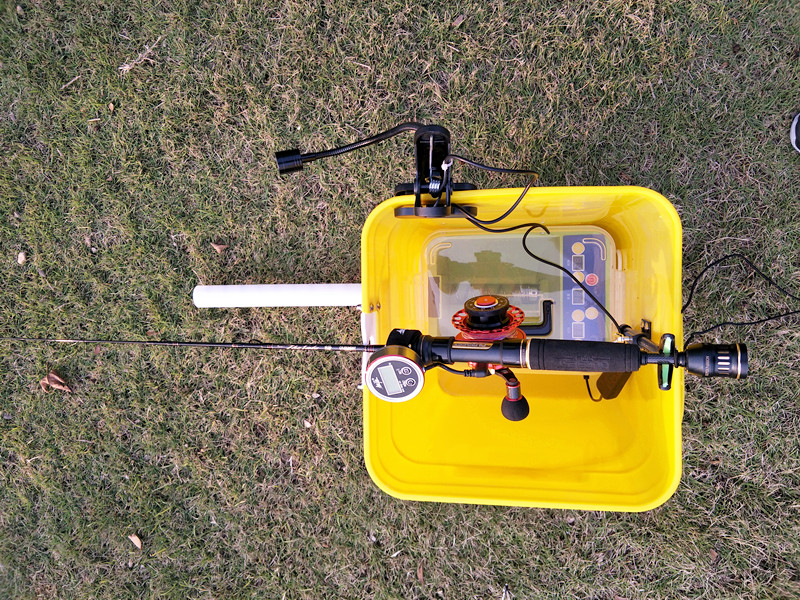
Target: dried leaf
<point>420,575</point>
<point>135,540</point>
<point>21,258</point>
<point>306,424</point>
<point>713,555</point>
<point>111,107</point>
<point>220,248</point>
<point>54,381</point>
<point>458,21</point>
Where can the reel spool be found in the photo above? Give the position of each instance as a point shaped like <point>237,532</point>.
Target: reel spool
<point>488,317</point>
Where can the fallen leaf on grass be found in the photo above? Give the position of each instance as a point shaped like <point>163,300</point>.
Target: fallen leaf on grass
<point>458,21</point>
<point>220,248</point>
<point>54,381</point>
<point>420,575</point>
<point>306,424</point>
<point>135,540</point>
<point>21,258</point>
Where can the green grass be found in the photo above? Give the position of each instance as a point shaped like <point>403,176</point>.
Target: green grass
<point>204,454</point>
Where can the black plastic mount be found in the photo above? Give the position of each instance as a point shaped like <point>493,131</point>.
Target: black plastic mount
<point>431,147</point>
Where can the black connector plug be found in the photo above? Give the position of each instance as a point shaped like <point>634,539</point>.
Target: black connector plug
<point>289,161</point>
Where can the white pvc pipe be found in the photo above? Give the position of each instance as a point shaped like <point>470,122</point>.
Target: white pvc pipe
<point>252,296</point>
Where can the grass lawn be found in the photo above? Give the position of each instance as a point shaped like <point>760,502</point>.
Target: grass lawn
<point>134,136</point>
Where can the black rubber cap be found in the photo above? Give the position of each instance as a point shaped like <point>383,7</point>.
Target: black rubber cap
<point>289,161</point>
<point>515,410</point>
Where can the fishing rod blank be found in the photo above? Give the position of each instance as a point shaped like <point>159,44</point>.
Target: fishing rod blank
<point>248,345</point>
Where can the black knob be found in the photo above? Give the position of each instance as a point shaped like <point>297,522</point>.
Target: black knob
<point>487,312</point>
<point>515,410</point>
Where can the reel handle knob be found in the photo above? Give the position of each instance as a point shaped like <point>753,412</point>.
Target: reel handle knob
<point>515,410</point>
<point>514,406</point>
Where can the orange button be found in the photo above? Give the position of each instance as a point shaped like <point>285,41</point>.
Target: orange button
<point>486,302</point>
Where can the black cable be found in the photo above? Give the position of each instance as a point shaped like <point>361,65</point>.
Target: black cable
<point>755,269</point>
<point>589,389</point>
<point>694,334</point>
<point>531,226</point>
<point>571,276</point>
<point>748,262</point>
<point>479,224</point>
<point>478,165</point>
<point>449,159</point>
<point>476,220</point>
<point>446,368</point>
<point>379,137</point>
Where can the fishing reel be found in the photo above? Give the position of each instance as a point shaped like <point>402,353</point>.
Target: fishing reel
<point>490,342</point>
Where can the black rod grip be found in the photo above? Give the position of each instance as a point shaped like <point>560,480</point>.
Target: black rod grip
<point>586,356</point>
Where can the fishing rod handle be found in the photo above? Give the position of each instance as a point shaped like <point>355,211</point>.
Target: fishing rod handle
<point>535,354</point>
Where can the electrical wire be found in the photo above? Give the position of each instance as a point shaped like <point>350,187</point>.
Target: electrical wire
<point>478,165</point>
<point>571,276</point>
<point>476,220</point>
<point>445,367</point>
<point>749,263</point>
<point>758,272</point>
<point>589,389</point>
<point>448,160</point>
<point>481,224</point>
<point>695,334</point>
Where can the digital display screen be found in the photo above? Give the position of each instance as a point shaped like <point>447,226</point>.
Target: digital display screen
<point>389,378</point>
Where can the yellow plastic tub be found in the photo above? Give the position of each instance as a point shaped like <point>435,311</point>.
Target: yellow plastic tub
<point>451,443</point>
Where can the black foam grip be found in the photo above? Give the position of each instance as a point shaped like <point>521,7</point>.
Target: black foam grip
<point>591,357</point>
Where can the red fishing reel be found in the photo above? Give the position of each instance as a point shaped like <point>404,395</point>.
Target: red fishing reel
<point>490,318</point>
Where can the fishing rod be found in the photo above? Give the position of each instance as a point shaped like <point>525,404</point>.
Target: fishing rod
<point>228,345</point>
<point>491,340</point>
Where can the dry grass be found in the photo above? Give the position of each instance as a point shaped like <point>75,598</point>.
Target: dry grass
<point>205,455</point>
